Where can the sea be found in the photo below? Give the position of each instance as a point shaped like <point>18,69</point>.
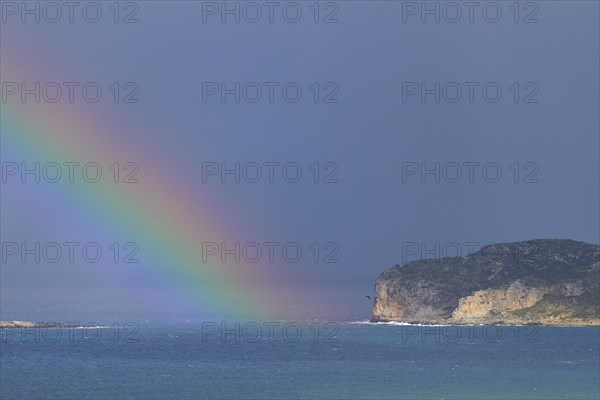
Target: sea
<point>290,360</point>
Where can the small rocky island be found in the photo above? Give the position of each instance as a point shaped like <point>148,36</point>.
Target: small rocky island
<point>546,282</point>
<point>29,324</point>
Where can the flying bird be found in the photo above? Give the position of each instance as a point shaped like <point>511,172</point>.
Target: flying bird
<point>368,297</point>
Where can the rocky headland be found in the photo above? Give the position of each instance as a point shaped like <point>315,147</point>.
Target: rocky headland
<point>546,282</point>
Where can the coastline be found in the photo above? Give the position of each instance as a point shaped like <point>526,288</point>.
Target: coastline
<point>560,323</point>
<point>551,322</point>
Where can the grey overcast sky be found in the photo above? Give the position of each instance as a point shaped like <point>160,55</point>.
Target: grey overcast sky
<point>372,130</point>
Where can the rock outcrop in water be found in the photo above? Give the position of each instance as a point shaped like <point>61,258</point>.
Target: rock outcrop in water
<point>29,324</point>
<point>549,281</point>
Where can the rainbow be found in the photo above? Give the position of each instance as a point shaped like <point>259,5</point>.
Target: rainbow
<point>162,213</point>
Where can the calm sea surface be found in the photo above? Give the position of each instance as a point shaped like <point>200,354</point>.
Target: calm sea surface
<point>307,361</point>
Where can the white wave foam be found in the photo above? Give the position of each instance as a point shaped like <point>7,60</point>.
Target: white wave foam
<point>92,327</point>
<point>394,323</point>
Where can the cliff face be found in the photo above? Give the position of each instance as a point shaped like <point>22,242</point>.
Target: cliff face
<point>532,282</point>
<point>494,301</point>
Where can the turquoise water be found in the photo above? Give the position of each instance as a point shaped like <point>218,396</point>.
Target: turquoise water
<point>317,361</point>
